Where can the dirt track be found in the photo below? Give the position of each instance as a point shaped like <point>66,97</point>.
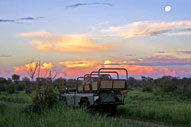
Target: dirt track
<point>147,124</point>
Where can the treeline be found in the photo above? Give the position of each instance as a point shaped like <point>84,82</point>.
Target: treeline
<point>16,83</point>
<point>167,84</point>
<point>179,86</point>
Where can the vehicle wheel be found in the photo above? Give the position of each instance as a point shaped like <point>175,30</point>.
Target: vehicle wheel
<point>112,110</point>
<point>85,105</point>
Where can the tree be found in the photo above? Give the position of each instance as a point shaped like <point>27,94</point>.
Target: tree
<point>9,80</point>
<point>3,83</point>
<point>60,82</point>
<point>32,68</point>
<point>45,94</point>
<point>132,82</point>
<point>104,76</point>
<point>3,80</point>
<point>71,83</point>
<point>26,79</point>
<point>147,83</point>
<point>15,77</point>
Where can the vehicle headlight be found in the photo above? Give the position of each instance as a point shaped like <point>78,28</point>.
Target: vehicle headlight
<point>96,97</point>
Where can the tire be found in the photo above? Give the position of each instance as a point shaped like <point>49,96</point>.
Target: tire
<point>112,110</point>
<point>85,105</point>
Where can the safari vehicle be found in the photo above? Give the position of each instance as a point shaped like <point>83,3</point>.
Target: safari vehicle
<point>98,90</point>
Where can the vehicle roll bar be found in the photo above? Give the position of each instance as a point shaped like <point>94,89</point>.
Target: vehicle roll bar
<point>77,82</point>
<point>99,71</point>
<point>94,74</point>
<point>84,78</point>
<point>105,72</point>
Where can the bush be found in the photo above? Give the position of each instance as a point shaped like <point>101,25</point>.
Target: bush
<point>44,99</point>
<point>2,108</point>
<point>11,89</point>
<point>20,86</point>
<point>13,99</point>
<point>2,87</point>
<point>147,88</point>
<point>28,91</point>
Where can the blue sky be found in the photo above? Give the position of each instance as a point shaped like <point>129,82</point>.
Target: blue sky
<point>119,31</point>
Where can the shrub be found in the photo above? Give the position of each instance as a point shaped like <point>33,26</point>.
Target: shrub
<point>2,87</point>
<point>2,108</point>
<point>20,86</point>
<point>28,91</point>
<point>11,89</point>
<point>147,88</point>
<point>44,99</point>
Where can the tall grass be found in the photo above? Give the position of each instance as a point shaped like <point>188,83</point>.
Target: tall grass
<point>20,97</point>
<point>60,116</point>
<point>149,106</point>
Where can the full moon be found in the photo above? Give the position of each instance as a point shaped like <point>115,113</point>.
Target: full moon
<point>168,8</point>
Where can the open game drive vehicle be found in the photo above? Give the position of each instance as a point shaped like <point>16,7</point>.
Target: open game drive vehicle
<point>98,90</point>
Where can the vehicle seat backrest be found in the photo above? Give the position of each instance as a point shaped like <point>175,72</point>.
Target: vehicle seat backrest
<point>119,84</point>
<point>87,88</point>
<point>94,86</point>
<point>80,89</point>
<point>106,84</point>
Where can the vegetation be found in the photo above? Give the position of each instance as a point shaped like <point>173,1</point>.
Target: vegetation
<point>166,99</point>
<point>19,97</point>
<point>59,116</point>
<point>15,77</point>
<point>156,106</point>
<point>2,108</point>
<point>46,98</point>
<point>165,84</point>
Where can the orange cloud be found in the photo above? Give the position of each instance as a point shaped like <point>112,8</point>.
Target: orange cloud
<point>137,70</point>
<point>22,70</point>
<point>71,43</point>
<point>107,62</point>
<point>140,70</point>
<point>41,33</point>
<point>78,64</point>
<point>66,43</point>
<point>79,68</point>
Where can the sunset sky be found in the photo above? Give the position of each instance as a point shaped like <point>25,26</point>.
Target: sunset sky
<point>74,37</point>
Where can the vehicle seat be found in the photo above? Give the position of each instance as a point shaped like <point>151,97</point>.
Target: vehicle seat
<point>94,86</point>
<point>119,84</point>
<point>80,89</point>
<point>106,84</point>
<point>87,88</point>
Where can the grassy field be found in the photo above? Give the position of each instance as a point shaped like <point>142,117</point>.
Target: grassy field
<point>13,115</point>
<point>154,106</point>
<point>61,116</point>
<point>20,97</point>
<point>144,106</point>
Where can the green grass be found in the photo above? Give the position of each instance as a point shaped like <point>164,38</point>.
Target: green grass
<point>156,107</point>
<point>60,116</point>
<point>20,97</point>
<point>146,106</point>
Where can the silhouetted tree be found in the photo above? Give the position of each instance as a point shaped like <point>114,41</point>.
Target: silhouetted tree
<point>26,79</point>
<point>60,82</point>
<point>71,83</point>
<point>147,83</point>
<point>132,82</point>
<point>32,68</point>
<point>16,78</point>
<point>9,80</point>
<point>3,80</point>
